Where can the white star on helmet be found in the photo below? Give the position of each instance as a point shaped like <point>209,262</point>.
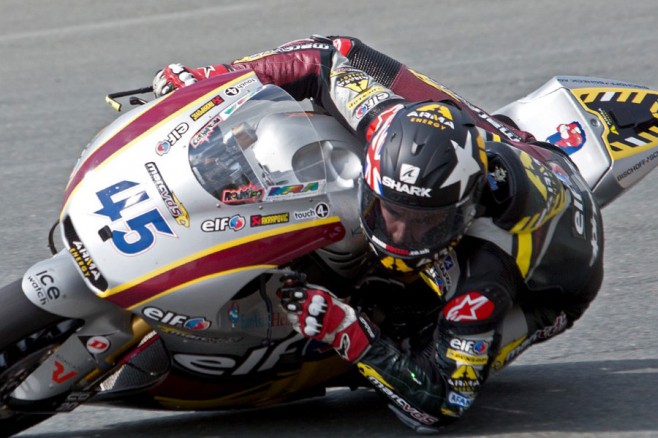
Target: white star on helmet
<point>466,166</point>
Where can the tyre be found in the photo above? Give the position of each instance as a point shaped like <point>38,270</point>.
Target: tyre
<point>28,335</point>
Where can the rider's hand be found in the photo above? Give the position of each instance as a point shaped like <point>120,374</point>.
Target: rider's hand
<point>316,313</point>
<point>173,77</point>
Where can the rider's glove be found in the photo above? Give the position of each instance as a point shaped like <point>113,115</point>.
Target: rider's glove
<point>316,313</point>
<point>173,77</point>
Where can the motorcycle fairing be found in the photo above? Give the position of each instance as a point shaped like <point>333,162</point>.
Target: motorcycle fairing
<point>615,127</point>
<point>127,226</point>
<point>181,276</point>
<point>252,390</point>
<point>148,239</point>
<point>263,251</point>
<point>129,130</point>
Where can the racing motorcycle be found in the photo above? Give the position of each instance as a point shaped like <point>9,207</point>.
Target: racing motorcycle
<point>181,217</point>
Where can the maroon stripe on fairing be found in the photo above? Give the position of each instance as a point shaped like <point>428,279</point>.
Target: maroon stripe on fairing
<point>144,122</point>
<point>272,250</point>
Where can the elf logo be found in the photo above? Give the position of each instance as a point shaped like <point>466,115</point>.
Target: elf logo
<point>235,223</point>
<point>196,323</point>
<point>478,347</point>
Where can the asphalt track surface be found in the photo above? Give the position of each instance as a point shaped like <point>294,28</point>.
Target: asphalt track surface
<point>59,58</point>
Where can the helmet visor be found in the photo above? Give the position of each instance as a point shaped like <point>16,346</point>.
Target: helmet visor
<point>412,232</point>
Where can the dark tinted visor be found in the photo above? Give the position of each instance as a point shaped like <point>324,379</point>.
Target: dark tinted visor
<point>405,231</point>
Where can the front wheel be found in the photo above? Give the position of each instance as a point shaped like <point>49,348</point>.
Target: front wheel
<point>28,335</point>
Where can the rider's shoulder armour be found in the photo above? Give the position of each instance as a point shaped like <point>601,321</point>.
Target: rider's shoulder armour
<point>522,193</point>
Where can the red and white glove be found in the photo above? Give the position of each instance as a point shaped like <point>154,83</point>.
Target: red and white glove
<point>316,313</point>
<point>173,77</point>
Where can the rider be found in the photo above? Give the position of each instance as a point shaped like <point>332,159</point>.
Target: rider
<point>504,232</point>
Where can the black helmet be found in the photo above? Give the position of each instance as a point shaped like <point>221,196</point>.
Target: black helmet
<point>423,174</point>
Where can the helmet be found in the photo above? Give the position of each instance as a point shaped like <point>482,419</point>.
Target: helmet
<point>423,175</point>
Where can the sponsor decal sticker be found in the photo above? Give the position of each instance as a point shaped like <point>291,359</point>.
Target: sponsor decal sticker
<point>398,186</point>
<point>81,256</point>
<point>477,347</point>
<point>44,286</point>
<point>260,220</point>
<point>408,173</point>
<point>319,211</point>
<point>433,114</point>
<point>512,350</point>
<point>204,133</point>
<point>637,166</point>
<point>250,193</point>
<point>61,374</point>
<point>356,81</point>
<point>86,264</point>
<point>201,111</point>
<point>370,103</point>
<point>460,357</point>
<point>472,306</point>
<point>164,146</point>
<point>364,96</point>
<point>235,223</point>
<point>464,379</point>
<point>175,207</point>
<point>196,323</point>
<point>304,46</point>
<point>142,227</point>
<point>295,189</point>
<point>570,137</point>
<point>291,48</point>
<point>459,400</point>
<point>236,89</point>
<point>97,344</point>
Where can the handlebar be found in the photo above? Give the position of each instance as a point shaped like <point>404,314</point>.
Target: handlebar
<point>111,98</point>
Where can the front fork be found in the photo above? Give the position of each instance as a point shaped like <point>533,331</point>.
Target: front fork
<point>88,354</point>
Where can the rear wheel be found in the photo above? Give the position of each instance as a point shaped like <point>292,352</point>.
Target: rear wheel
<point>28,335</point>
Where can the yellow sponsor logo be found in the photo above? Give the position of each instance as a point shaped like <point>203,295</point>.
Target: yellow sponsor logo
<point>395,264</point>
<point>180,214</point>
<point>362,97</point>
<point>368,371</point>
<point>465,372</point>
<point>275,219</point>
<point>449,413</point>
<point>466,358</point>
<point>437,108</point>
<point>272,219</point>
<point>502,357</point>
<point>196,115</point>
<point>355,81</point>
<point>217,100</point>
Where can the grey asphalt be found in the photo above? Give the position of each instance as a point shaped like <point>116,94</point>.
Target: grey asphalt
<point>59,58</point>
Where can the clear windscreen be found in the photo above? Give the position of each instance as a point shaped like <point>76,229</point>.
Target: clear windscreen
<point>261,148</point>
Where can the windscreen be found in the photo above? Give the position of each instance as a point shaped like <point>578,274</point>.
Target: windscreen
<point>260,148</point>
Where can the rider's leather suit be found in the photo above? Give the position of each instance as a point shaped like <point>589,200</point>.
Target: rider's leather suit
<point>526,269</point>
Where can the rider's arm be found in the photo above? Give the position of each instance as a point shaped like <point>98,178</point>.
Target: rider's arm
<point>415,86</point>
<point>329,71</point>
<point>438,380</point>
<point>315,69</point>
<point>411,383</point>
